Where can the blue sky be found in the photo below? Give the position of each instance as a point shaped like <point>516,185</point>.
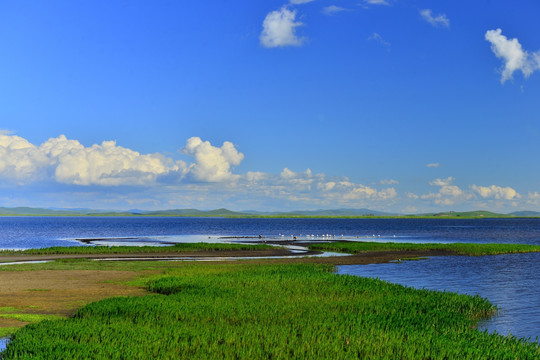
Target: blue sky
<point>401,106</point>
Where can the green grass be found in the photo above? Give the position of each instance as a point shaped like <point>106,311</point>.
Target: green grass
<point>254,311</point>
<point>457,248</point>
<point>177,248</point>
<point>8,310</point>
<point>31,318</point>
<point>7,331</point>
<point>87,264</point>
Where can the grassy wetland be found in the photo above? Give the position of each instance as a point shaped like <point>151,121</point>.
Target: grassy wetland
<point>256,310</point>
<point>176,248</point>
<point>453,248</point>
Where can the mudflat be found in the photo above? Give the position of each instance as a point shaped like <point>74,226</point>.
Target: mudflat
<point>60,292</point>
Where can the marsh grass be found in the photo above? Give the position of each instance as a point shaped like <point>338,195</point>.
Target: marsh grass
<point>6,332</point>
<point>457,248</point>
<point>254,311</point>
<point>176,248</point>
<point>31,318</point>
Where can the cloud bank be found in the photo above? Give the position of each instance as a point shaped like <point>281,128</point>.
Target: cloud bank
<point>107,164</point>
<point>65,162</point>
<point>108,173</point>
<point>495,192</point>
<point>512,54</point>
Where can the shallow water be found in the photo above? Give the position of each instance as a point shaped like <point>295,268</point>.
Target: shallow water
<point>509,281</point>
<point>3,344</point>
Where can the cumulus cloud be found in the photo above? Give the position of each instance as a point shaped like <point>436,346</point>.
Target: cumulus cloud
<point>333,9</point>
<point>512,54</point>
<point>439,20</point>
<point>495,192</point>
<point>308,188</point>
<point>67,161</point>
<point>212,164</point>
<point>107,164</point>
<point>448,193</point>
<point>279,29</point>
<point>433,165</point>
<point>442,182</point>
<point>20,161</point>
<point>346,190</point>
<point>104,164</point>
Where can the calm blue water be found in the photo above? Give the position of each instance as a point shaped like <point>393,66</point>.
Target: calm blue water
<point>510,281</point>
<point>35,232</point>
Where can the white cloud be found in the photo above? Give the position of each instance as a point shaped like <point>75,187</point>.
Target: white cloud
<point>327,186</point>
<point>439,20</point>
<point>377,2</point>
<point>209,178</point>
<point>512,55</point>
<point>448,194</point>
<point>442,182</point>
<point>256,176</point>
<point>433,165</point>
<point>106,164</point>
<point>212,164</point>
<point>533,198</point>
<point>496,192</point>
<point>20,161</point>
<point>333,9</point>
<point>298,2</point>
<point>378,38</point>
<point>279,29</point>
<point>389,182</point>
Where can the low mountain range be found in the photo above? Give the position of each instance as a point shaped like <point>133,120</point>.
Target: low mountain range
<point>29,211</point>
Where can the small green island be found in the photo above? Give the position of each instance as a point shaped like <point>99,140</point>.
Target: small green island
<point>252,309</point>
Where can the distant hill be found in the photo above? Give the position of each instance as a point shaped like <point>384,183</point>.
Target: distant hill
<point>29,211</point>
<point>34,211</point>
<point>525,213</point>
<point>465,214</point>
<point>193,212</point>
<point>331,212</point>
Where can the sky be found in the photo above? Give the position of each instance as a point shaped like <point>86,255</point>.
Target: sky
<point>392,105</point>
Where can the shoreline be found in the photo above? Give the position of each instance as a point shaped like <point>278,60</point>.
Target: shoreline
<point>277,255</point>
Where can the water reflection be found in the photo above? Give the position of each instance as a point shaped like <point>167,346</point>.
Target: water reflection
<point>509,281</point>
